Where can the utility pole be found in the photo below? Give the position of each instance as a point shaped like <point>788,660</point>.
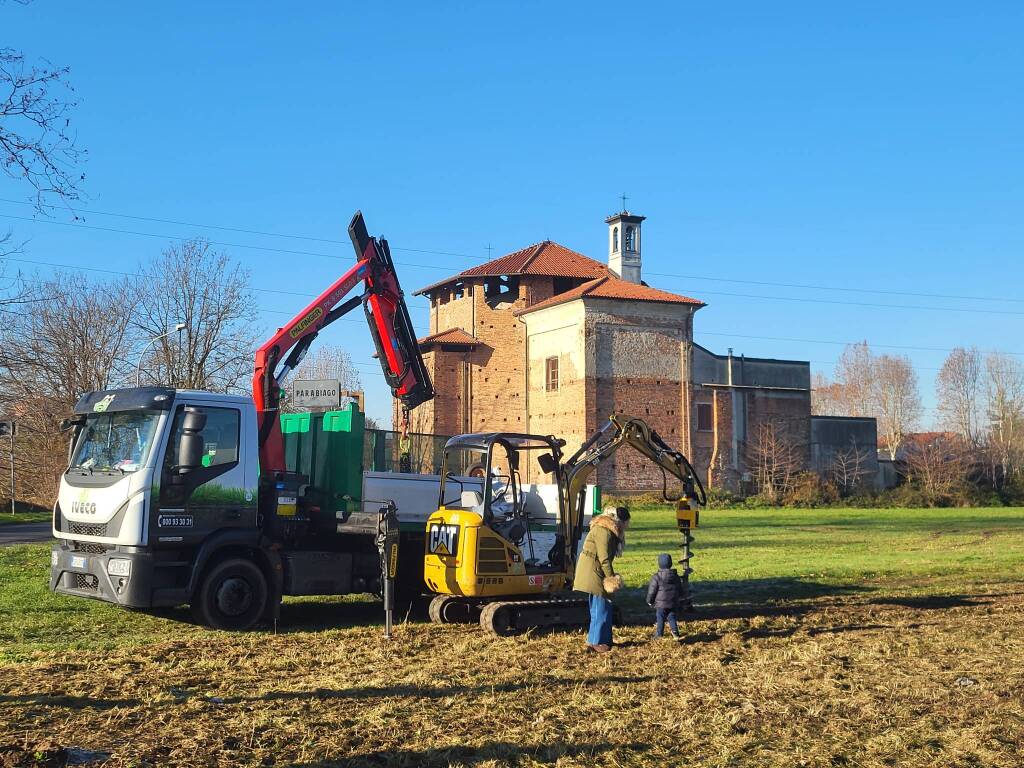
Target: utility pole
<point>7,429</point>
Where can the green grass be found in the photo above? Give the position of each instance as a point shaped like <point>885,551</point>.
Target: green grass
<point>24,513</point>
<point>778,553</point>
<point>739,556</point>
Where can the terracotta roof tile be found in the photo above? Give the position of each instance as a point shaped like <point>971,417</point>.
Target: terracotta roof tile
<point>546,258</point>
<point>450,336</point>
<point>610,287</point>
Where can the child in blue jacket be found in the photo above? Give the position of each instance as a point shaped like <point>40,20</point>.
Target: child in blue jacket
<point>663,594</point>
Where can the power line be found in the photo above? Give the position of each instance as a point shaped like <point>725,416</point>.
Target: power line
<point>76,267</point>
<point>874,305</point>
<point>141,276</point>
<point>285,251</point>
<point>841,343</point>
<point>222,228</point>
<point>312,238</point>
<point>59,265</point>
<point>805,286</point>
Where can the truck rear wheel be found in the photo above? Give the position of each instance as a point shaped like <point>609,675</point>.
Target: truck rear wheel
<point>232,595</point>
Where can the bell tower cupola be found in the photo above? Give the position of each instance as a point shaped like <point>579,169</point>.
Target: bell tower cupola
<point>624,245</point>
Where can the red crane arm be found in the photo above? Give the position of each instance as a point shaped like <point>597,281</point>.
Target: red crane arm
<point>390,326</point>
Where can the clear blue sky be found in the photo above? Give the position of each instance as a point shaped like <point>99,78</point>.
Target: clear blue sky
<point>871,146</point>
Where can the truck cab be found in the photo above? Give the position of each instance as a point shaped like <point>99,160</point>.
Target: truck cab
<point>154,476</point>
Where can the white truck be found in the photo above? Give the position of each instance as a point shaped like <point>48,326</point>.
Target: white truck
<point>176,496</point>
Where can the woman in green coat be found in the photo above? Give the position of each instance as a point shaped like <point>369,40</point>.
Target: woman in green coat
<point>596,575</point>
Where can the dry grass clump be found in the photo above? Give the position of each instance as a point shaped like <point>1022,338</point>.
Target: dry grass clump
<point>837,680</point>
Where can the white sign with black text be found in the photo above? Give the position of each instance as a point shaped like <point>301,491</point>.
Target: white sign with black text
<point>316,393</point>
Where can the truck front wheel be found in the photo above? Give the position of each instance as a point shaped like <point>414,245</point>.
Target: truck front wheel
<point>231,596</point>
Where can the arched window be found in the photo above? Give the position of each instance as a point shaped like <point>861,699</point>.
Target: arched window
<point>615,239</point>
<point>630,239</point>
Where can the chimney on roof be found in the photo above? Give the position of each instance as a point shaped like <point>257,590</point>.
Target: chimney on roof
<point>624,245</point>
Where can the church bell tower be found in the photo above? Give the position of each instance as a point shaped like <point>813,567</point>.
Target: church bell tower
<point>624,245</point>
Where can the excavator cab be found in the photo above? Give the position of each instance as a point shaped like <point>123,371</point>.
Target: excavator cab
<point>492,534</point>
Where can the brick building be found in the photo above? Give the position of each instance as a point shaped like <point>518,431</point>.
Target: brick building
<point>546,340</point>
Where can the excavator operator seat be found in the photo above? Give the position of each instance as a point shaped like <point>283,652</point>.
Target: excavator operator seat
<point>472,500</point>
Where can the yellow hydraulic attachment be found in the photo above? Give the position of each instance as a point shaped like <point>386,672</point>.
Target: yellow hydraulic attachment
<point>493,551</point>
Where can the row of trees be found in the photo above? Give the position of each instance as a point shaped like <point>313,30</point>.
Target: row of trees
<point>66,334</point>
<point>866,384</point>
<point>980,414</point>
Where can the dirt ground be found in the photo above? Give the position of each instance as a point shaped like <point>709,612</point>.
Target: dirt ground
<point>840,679</point>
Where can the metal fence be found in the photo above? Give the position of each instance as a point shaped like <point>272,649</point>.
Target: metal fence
<point>382,453</point>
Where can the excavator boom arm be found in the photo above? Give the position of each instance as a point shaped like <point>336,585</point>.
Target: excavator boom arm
<point>602,445</point>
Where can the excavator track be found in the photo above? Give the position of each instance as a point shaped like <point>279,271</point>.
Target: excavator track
<point>450,609</point>
<point>506,618</point>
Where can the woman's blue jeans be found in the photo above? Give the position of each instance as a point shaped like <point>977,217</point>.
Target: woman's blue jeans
<point>600,621</point>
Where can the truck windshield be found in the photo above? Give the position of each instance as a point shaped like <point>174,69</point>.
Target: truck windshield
<point>115,442</point>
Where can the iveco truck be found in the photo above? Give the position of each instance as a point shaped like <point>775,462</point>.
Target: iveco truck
<point>176,496</point>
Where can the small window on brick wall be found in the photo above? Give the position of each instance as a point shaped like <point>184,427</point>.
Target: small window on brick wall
<point>551,374</point>
<point>705,419</point>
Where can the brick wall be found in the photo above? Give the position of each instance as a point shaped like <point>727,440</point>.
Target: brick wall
<point>638,354</point>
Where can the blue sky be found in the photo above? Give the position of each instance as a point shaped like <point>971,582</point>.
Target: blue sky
<point>857,146</point>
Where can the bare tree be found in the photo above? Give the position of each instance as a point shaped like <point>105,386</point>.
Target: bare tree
<point>327,362</point>
<point>897,399</point>
<point>958,387</point>
<point>76,338</point>
<point>827,396</point>
<point>330,362</point>
<point>849,467</point>
<point>855,373</point>
<point>1004,406</point>
<point>192,284</point>
<point>37,144</point>
<point>776,458</point>
<point>938,466</point>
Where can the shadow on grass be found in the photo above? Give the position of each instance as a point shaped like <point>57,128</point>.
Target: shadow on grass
<point>768,589</point>
<point>71,702</point>
<point>507,752</point>
<point>716,600</point>
<point>313,615</point>
<point>426,692</point>
<point>934,602</point>
<point>746,599</point>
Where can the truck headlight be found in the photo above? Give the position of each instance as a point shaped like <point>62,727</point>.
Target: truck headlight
<point>119,567</point>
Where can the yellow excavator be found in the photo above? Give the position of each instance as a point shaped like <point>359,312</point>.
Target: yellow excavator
<point>492,552</point>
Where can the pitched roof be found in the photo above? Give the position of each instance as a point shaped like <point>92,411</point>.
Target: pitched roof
<point>546,258</point>
<point>611,287</point>
<point>453,336</point>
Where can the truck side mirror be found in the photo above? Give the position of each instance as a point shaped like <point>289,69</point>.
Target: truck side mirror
<point>190,447</point>
<point>75,421</point>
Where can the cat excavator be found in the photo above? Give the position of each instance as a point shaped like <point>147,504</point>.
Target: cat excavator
<point>491,551</point>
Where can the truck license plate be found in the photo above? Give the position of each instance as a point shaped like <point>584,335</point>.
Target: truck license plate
<point>78,561</point>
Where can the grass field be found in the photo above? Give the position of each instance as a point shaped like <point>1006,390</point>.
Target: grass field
<point>23,513</point>
<point>824,638</point>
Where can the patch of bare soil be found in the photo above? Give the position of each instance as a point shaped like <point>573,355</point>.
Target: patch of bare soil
<point>840,680</point>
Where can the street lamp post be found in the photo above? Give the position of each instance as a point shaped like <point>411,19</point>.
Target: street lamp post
<point>138,368</point>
